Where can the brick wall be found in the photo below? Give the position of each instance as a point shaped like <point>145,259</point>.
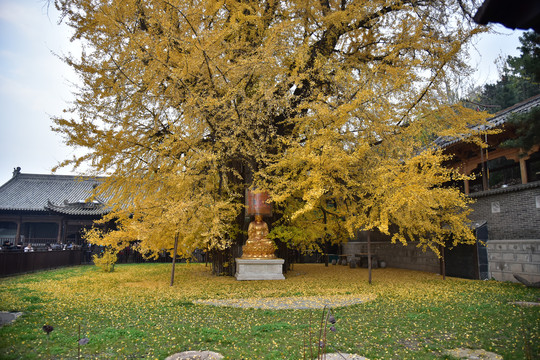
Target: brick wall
<point>513,221</point>
<point>511,213</point>
<point>397,255</point>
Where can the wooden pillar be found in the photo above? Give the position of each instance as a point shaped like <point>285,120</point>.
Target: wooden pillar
<point>485,182</point>
<point>466,186</point>
<point>523,169</point>
<point>60,226</point>
<point>18,236</point>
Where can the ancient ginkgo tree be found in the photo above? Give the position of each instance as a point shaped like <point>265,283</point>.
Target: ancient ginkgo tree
<point>331,106</point>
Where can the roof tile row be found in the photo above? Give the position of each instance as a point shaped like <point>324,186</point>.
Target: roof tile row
<point>60,193</point>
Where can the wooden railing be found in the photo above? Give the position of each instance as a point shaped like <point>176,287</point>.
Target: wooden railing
<point>19,262</point>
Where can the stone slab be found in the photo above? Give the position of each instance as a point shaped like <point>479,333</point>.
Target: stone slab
<point>525,303</point>
<point>476,354</point>
<point>286,303</point>
<point>259,269</point>
<point>8,317</point>
<point>341,356</point>
<point>196,355</point>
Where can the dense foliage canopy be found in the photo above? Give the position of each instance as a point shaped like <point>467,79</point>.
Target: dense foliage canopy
<point>329,105</point>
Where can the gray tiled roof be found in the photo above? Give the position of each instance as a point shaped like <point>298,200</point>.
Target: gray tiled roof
<point>79,208</point>
<point>60,193</point>
<point>498,119</point>
<point>503,190</point>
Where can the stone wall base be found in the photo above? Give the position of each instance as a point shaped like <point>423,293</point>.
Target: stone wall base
<point>509,257</point>
<point>505,257</point>
<point>259,269</point>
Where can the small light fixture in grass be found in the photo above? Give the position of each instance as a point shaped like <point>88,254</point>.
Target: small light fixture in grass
<point>327,318</point>
<point>331,318</point>
<point>332,328</point>
<point>48,329</point>
<point>81,341</point>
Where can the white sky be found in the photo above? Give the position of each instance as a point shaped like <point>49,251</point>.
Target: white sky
<point>35,84</point>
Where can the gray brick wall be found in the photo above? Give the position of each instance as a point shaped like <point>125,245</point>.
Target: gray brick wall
<point>519,218</point>
<point>513,221</point>
<point>398,255</point>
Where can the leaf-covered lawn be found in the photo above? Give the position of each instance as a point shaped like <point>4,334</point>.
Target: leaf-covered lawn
<point>133,313</point>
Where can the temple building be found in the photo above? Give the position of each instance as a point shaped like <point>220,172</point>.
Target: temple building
<point>47,210</point>
<point>496,166</point>
<point>506,191</point>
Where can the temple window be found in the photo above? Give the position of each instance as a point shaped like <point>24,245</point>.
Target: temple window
<point>503,172</point>
<point>533,167</point>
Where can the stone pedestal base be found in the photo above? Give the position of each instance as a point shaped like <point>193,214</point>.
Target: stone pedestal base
<point>259,269</point>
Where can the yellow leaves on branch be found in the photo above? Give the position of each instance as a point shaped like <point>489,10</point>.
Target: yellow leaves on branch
<point>414,198</point>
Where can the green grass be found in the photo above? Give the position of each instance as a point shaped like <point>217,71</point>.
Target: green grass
<point>133,313</point>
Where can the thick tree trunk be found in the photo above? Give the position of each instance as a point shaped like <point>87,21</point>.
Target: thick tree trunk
<point>223,261</point>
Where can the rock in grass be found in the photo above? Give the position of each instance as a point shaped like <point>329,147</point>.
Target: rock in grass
<point>196,355</point>
<point>471,354</point>
<point>8,317</point>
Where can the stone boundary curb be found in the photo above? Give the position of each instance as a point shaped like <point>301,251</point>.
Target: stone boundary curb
<point>286,303</point>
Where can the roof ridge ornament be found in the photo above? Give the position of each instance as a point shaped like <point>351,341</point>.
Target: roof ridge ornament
<point>16,171</point>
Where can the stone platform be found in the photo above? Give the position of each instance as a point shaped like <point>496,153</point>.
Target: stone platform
<point>259,269</point>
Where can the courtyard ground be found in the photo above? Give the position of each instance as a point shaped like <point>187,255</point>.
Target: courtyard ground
<point>133,313</point>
